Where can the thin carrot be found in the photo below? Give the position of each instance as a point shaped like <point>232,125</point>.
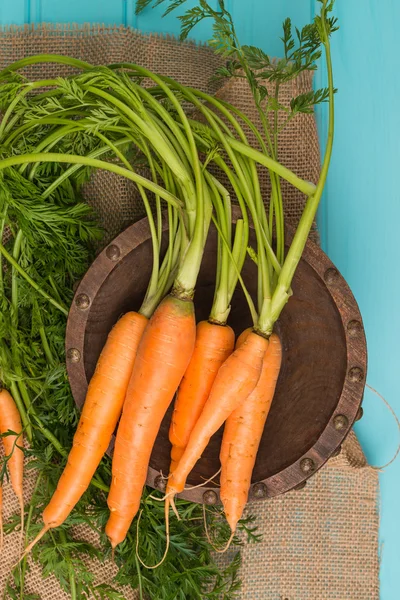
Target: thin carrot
<point>100,414</point>
<point>214,343</point>
<point>242,435</point>
<point>236,379</point>
<point>163,357</point>
<point>10,420</point>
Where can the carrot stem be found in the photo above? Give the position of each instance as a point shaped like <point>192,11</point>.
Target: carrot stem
<point>28,524</point>
<point>14,317</point>
<point>2,225</point>
<point>21,409</point>
<point>45,344</point>
<point>75,167</point>
<point>25,275</point>
<point>281,294</point>
<point>72,582</point>
<point>245,291</point>
<point>90,162</point>
<point>29,87</point>
<point>139,573</point>
<point>39,58</point>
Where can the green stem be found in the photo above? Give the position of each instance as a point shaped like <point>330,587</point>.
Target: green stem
<point>220,307</point>
<point>2,225</point>
<point>153,171</point>
<point>304,186</point>
<point>139,573</point>
<point>29,87</point>
<point>228,111</point>
<point>238,256</point>
<point>45,58</point>
<point>276,121</point>
<point>45,344</point>
<point>281,294</point>
<point>167,271</point>
<point>43,336</point>
<point>189,200</point>
<point>50,143</point>
<point>157,141</point>
<point>91,162</point>
<point>67,126</point>
<point>248,193</point>
<point>14,318</point>
<point>14,281</point>
<point>72,581</point>
<point>153,284</point>
<point>75,167</point>
<point>253,311</point>
<point>184,120</point>
<point>187,275</point>
<point>33,283</point>
<point>277,202</point>
<point>21,409</point>
<point>153,231</point>
<point>55,289</point>
<point>27,527</point>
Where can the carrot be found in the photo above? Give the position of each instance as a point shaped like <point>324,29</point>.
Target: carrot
<point>243,337</point>
<point>214,343</point>
<point>163,357</point>
<point>236,379</point>
<point>100,414</point>
<point>242,435</point>
<point>10,420</point>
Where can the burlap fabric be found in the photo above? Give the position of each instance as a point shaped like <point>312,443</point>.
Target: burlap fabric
<point>320,543</point>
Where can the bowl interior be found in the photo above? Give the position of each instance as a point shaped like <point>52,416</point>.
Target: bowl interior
<point>314,356</point>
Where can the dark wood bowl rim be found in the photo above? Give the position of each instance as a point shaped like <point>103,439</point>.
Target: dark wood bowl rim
<point>349,402</point>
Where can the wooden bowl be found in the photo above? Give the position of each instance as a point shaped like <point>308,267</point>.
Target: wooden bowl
<point>322,379</point>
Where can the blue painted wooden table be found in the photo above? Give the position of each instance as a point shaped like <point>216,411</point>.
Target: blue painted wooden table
<point>360,216</point>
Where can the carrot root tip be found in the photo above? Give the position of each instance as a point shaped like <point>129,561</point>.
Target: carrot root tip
<point>35,541</point>
<point>227,545</point>
<point>166,513</point>
<point>173,506</point>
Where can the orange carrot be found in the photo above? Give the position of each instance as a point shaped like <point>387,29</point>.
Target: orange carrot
<point>243,337</point>
<point>214,343</point>
<point>100,414</point>
<point>236,379</point>
<point>10,420</point>
<point>242,435</point>
<point>163,357</point>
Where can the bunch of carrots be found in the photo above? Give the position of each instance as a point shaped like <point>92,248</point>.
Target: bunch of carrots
<point>158,354</point>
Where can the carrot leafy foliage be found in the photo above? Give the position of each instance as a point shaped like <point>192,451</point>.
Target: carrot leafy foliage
<point>52,239</point>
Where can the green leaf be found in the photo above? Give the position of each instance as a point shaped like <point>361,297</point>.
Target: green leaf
<point>274,104</point>
<point>304,103</point>
<point>287,39</point>
<point>255,57</point>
